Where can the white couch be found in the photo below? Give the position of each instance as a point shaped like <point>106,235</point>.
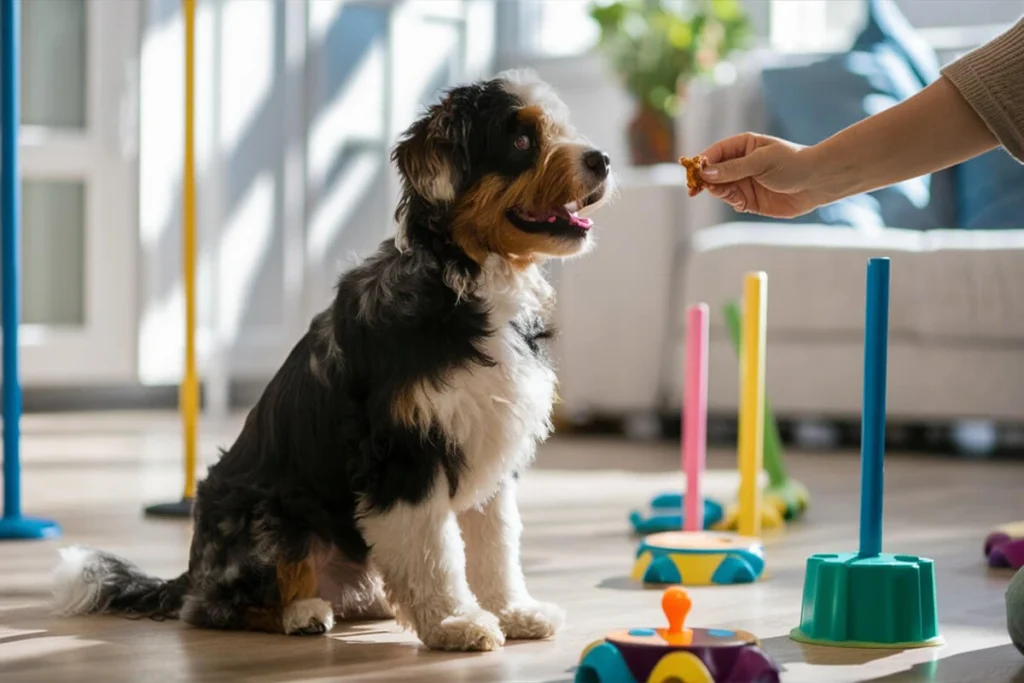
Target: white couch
<point>957,300</point>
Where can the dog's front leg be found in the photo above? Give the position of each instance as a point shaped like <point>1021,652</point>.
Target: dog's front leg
<point>492,534</point>
<point>420,555</point>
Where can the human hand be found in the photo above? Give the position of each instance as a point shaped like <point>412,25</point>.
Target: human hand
<point>763,175</point>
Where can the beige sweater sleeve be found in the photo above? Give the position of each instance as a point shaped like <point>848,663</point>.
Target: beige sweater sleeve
<point>991,79</point>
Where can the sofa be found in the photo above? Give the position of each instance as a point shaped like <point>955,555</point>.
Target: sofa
<point>956,342</point>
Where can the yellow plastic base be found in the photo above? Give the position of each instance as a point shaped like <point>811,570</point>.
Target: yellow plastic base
<point>801,637</point>
<point>698,559</point>
<point>770,519</point>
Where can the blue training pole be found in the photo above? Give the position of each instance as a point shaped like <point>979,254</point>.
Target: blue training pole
<point>13,525</point>
<point>872,430</point>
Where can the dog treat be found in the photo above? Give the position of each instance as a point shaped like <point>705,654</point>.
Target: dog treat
<point>693,165</point>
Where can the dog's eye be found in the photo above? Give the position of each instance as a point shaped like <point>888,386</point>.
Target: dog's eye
<point>523,142</point>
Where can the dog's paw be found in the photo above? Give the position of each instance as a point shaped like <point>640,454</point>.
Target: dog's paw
<point>311,617</point>
<point>531,620</point>
<point>475,631</point>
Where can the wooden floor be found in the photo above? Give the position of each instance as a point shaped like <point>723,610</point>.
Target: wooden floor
<point>93,473</point>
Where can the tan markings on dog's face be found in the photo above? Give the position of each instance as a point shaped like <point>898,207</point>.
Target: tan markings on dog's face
<point>556,177</point>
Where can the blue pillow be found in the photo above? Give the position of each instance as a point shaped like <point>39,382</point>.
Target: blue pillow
<point>810,103</point>
<point>886,24</point>
<point>990,192</point>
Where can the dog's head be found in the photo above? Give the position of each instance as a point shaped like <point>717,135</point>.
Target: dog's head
<point>501,163</point>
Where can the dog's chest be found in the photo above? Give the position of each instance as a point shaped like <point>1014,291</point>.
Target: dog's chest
<point>499,413</point>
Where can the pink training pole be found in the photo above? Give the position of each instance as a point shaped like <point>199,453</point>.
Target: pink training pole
<point>695,414</point>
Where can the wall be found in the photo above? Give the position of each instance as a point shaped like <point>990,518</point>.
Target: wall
<point>297,105</point>
<point>602,110</point>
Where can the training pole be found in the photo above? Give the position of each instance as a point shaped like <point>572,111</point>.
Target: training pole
<point>188,395</point>
<point>13,525</point>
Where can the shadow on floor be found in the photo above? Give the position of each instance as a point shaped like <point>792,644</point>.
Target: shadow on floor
<point>785,650</point>
<point>626,583</point>
<point>1002,664</point>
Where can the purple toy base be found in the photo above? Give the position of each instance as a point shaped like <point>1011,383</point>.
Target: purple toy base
<point>1004,552</point>
<point>730,656</point>
<point>995,538</point>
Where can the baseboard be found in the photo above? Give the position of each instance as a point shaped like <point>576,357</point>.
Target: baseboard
<point>814,434</point>
<point>242,394</point>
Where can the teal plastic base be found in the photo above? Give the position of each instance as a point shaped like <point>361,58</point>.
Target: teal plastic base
<point>667,518</point>
<point>888,601</point>
<point>698,559</point>
<point>603,663</point>
<point>27,529</point>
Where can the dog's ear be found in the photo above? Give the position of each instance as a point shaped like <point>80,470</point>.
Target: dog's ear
<point>431,157</point>
<point>423,158</point>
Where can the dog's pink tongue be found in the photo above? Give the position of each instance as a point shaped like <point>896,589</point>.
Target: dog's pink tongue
<point>580,221</point>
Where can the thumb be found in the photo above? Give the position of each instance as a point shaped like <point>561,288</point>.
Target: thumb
<point>734,169</point>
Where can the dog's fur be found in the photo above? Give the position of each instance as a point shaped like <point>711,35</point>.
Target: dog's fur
<point>376,475</point>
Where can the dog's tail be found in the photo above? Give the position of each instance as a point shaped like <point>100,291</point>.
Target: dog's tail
<point>91,581</point>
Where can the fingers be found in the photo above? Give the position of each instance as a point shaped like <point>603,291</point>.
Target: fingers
<point>730,148</point>
<point>734,159</point>
<point>731,194</point>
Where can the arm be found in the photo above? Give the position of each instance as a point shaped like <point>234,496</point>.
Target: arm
<point>933,130</point>
<point>991,79</point>
<point>976,105</point>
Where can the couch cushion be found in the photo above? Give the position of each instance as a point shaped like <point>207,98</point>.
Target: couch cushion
<point>990,192</point>
<point>809,103</point>
<point>948,286</point>
<point>887,25</point>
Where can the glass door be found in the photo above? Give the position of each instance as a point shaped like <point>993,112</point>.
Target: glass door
<point>79,196</point>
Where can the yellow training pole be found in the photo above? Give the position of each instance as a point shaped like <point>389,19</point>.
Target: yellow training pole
<point>751,427</point>
<point>189,397</point>
<point>188,393</point>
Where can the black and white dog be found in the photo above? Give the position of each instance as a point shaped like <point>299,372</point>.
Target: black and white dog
<point>376,475</point>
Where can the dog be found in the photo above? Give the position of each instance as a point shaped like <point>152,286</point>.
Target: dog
<point>376,475</point>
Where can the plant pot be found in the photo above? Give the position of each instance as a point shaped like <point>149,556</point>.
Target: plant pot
<point>652,137</point>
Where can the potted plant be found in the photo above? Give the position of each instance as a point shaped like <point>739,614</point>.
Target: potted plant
<point>656,47</point>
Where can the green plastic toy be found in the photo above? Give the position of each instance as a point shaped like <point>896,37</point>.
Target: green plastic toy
<point>788,496</point>
<point>870,598</point>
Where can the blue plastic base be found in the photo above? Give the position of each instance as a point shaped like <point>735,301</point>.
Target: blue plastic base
<point>27,529</point>
<point>669,500</point>
<point>667,515</point>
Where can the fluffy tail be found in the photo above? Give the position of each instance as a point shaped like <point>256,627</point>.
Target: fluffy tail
<point>90,581</point>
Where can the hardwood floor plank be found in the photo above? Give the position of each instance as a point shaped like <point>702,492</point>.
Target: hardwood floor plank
<point>95,474</point>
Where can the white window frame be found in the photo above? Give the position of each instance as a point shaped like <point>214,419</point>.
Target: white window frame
<point>102,156</point>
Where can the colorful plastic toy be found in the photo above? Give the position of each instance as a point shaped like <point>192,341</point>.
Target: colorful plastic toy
<point>677,653</point>
<point>13,525</point>
<point>690,512</point>
<point>188,392</point>
<point>787,496</point>
<point>694,557</point>
<point>698,559</point>
<point>662,520</point>
<point>870,598</point>
<point>1004,547</point>
<point>749,515</point>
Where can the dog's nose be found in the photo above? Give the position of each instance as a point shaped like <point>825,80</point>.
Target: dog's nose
<point>598,162</point>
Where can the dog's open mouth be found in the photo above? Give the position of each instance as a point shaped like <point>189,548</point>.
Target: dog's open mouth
<point>559,221</point>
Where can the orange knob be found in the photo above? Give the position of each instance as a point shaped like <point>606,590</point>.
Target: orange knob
<point>676,604</point>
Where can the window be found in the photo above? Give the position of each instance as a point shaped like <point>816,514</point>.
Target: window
<point>554,28</point>
<point>539,29</point>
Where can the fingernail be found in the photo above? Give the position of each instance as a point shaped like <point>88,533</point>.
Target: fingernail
<point>709,172</point>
